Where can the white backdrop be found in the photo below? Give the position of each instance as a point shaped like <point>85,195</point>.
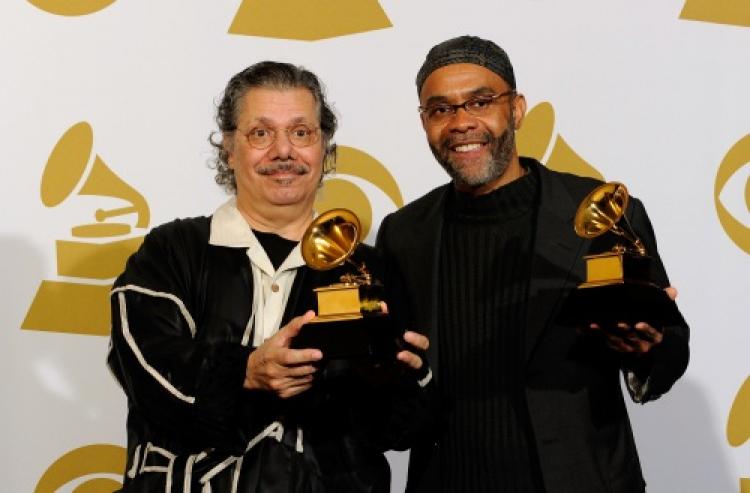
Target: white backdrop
<point>644,92</point>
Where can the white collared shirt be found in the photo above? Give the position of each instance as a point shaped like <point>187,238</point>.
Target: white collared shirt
<point>271,287</point>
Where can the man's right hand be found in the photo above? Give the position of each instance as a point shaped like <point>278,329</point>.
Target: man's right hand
<point>276,368</point>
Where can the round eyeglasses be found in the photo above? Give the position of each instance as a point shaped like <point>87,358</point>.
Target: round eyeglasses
<point>478,106</point>
<point>298,135</point>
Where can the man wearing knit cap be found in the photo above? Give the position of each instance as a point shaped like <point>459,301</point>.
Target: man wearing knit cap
<point>520,403</point>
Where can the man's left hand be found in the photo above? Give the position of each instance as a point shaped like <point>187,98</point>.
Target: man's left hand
<point>639,339</point>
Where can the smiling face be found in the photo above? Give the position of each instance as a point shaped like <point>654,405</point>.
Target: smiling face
<point>478,152</point>
<point>282,174</point>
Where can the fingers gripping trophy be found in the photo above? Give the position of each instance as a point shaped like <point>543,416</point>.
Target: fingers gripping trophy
<point>351,321</point>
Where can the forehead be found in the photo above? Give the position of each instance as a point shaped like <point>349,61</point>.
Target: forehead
<point>459,81</point>
<point>278,106</point>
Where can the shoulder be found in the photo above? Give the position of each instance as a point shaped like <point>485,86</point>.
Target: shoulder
<point>561,191</point>
<point>420,207</point>
<point>579,187</point>
<point>400,226</point>
<point>575,185</point>
<point>178,235</point>
<point>182,229</point>
<point>168,247</point>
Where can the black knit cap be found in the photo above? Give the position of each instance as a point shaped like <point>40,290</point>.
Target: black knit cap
<point>467,49</point>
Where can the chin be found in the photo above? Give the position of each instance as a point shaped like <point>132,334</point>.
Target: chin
<point>471,177</point>
<point>288,197</point>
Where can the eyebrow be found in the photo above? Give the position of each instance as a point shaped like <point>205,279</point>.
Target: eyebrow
<point>269,123</point>
<point>480,91</point>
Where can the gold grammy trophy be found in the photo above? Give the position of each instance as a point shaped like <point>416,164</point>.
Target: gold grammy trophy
<point>350,321</point>
<point>618,285</point>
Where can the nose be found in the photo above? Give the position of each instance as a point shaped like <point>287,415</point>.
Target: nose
<point>462,121</point>
<point>282,146</point>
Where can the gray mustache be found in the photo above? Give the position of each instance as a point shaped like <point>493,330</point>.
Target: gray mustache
<point>283,167</point>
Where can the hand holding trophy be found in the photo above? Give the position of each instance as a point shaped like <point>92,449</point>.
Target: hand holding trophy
<point>618,287</point>
<point>350,321</point>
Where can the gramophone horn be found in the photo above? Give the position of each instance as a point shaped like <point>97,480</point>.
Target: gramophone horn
<point>603,210</point>
<point>331,239</point>
<point>537,138</point>
<point>66,168</point>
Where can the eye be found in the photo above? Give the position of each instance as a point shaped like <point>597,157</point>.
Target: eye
<point>301,131</point>
<point>479,103</point>
<point>259,132</point>
<point>439,110</point>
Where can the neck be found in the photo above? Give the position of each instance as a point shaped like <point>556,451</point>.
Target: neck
<point>287,221</point>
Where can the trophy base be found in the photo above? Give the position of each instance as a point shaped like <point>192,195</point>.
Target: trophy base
<point>351,338</point>
<point>612,303</point>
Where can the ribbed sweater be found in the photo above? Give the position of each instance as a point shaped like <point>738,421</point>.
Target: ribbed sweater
<point>485,261</point>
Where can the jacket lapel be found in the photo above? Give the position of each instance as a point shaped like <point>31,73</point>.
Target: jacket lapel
<point>423,239</point>
<point>557,264</point>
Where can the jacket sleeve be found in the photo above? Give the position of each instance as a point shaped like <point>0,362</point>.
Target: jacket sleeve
<point>412,401</point>
<point>178,381</point>
<point>651,375</point>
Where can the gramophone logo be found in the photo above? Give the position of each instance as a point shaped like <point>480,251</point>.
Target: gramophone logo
<point>732,193</point>
<point>78,301</point>
<point>338,192</point>
<point>536,138</point>
<point>734,12</point>
<point>93,468</point>
<point>738,424</point>
<point>71,7</point>
<point>308,20</point>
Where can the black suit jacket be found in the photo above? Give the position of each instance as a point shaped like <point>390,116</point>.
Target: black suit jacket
<point>581,429</point>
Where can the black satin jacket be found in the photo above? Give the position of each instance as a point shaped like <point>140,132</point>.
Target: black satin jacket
<point>179,312</point>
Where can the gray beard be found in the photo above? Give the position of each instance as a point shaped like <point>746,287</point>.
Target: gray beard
<point>502,152</point>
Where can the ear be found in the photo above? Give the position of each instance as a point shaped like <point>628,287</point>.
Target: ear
<point>423,119</point>
<point>227,142</point>
<point>519,110</point>
<point>329,158</point>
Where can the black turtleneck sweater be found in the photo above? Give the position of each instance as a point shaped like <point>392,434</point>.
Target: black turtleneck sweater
<point>485,262</point>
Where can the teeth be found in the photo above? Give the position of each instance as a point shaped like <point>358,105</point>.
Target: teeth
<point>467,147</point>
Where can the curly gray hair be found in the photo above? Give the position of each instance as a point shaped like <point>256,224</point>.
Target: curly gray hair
<point>275,75</point>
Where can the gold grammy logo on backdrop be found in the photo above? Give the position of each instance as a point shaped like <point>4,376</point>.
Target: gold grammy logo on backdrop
<point>738,158</point>
<point>734,12</point>
<point>536,139</point>
<point>338,192</point>
<point>738,424</point>
<point>91,464</point>
<point>79,303</point>
<point>71,7</point>
<point>306,20</point>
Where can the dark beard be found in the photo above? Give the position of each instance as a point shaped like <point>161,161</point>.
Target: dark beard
<point>502,152</point>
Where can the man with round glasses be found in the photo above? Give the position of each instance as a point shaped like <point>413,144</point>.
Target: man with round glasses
<point>521,403</point>
<point>205,312</point>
